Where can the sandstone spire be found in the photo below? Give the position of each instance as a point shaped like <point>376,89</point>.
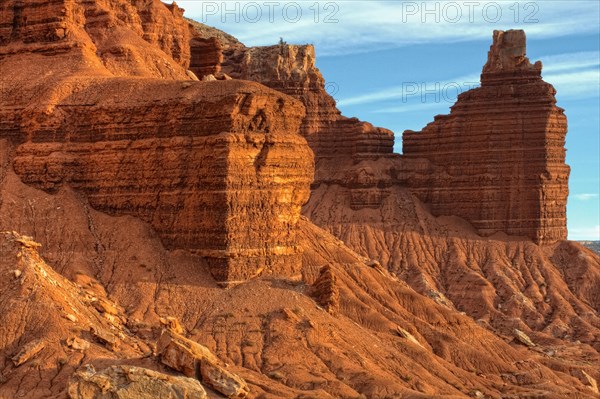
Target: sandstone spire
<point>498,159</point>
<point>508,53</point>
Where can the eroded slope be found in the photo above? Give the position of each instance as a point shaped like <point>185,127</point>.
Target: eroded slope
<point>381,339</point>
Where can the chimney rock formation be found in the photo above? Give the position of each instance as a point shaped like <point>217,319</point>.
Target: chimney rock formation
<point>498,159</point>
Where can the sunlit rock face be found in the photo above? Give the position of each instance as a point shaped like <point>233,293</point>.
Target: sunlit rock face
<point>498,159</point>
<point>216,168</point>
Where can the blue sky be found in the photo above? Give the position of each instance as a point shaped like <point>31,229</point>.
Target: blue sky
<point>397,64</point>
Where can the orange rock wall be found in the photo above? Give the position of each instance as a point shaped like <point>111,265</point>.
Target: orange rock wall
<point>128,38</point>
<point>216,168</point>
<point>498,159</point>
<point>292,70</point>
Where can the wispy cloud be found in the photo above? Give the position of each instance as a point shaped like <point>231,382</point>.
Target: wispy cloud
<point>414,107</point>
<point>591,233</point>
<point>411,92</point>
<point>397,24</point>
<point>577,84</point>
<point>572,74</point>
<point>570,61</point>
<point>585,197</point>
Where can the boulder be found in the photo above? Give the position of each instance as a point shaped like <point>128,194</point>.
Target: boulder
<point>195,360</point>
<point>77,343</point>
<point>28,351</point>
<point>192,75</point>
<point>129,382</point>
<point>523,338</point>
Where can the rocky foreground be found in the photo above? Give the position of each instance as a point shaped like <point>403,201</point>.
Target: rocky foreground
<point>185,216</point>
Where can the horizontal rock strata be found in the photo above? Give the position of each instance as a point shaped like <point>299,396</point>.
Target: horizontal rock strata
<point>127,38</point>
<point>291,69</point>
<point>217,168</point>
<point>214,167</point>
<point>498,159</point>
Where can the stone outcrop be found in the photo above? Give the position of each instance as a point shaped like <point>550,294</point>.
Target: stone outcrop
<point>326,291</point>
<point>498,159</point>
<point>291,69</point>
<point>195,360</point>
<point>216,168</point>
<point>206,56</point>
<point>28,351</point>
<point>523,338</point>
<point>125,38</point>
<point>129,382</point>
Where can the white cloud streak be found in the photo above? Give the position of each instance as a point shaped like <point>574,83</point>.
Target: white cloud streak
<point>367,26</point>
<point>585,196</point>
<point>578,84</point>
<point>415,107</point>
<point>570,61</point>
<point>591,233</point>
<point>411,91</point>
<point>574,75</point>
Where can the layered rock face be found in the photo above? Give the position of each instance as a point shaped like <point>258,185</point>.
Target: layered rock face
<point>225,180</point>
<point>340,144</point>
<point>216,168</point>
<point>498,159</point>
<point>291,69</point>
<point>206,56</point>
<point>128,38</point>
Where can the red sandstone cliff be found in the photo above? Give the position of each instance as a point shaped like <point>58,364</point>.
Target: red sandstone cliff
<point>381,207</point>
<point>498,159</point>
<point>291,69</point>
<point>215,168</point>
<point>457,164</point>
